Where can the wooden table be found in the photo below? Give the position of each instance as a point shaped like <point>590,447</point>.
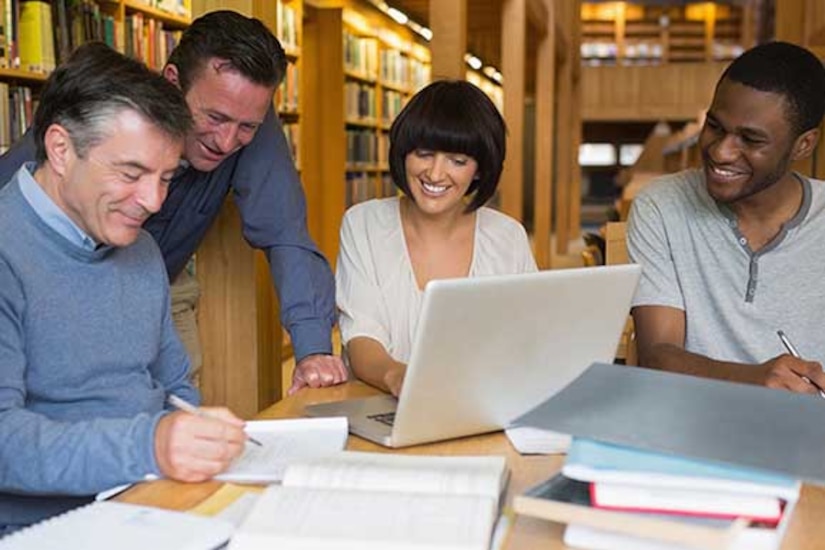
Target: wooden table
<point>807,529</point>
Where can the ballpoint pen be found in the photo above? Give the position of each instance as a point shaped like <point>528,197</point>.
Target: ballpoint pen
<point>186,406</point>
<point>792,350</point>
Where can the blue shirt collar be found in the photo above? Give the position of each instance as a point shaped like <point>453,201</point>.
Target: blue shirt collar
<point>49,212</point>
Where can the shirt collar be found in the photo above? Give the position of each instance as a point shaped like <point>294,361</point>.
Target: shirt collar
<point>49,212</point>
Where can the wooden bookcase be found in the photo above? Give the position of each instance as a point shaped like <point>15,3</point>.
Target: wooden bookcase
<point>22,73</point>
<point>361,68</point>
<point>627,33</point>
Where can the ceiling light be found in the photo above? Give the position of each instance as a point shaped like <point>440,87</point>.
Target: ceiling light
<point>399,16</point>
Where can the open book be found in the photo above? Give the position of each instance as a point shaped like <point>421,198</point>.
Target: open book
<point>377,501</point>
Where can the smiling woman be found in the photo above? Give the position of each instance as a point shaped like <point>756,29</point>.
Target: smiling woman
<point>447,149</point>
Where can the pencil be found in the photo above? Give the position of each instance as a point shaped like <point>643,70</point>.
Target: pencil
<point>186,406</point>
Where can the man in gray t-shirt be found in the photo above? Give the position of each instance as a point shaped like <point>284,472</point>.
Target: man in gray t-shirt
<point>734,252</point>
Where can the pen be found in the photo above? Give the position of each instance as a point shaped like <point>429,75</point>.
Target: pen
<point>792,350</point>
<point>186,406</point>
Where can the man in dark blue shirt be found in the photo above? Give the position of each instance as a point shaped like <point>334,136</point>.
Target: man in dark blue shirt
<point>228,67</point>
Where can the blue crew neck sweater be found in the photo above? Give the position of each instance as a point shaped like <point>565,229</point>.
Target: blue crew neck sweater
<point>88,354</point>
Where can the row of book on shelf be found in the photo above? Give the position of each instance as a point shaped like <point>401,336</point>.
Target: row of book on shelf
<point>16,113</point>
<point>289,89</point>
<point>363,56</point>
<point>361,103</point>
<point>363,186</point>
<point>37,36</point>
<point>367,148</point>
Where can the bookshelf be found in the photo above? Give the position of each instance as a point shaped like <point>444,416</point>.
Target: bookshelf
<point>35,36</point>
<point>289,31</point>
<point>361,69</point>
<point>493,89</point>
<point>627,33</point>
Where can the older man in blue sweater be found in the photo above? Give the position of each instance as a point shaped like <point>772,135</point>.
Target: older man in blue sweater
<point>88,353</point>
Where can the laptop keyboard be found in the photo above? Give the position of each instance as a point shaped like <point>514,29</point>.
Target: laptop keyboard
<point>383,418</point>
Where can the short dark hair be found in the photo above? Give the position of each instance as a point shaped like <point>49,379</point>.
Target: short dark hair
<point>457,117</point>
<point>788,70</point>
<point>95,84</point>
<point>243,42</point>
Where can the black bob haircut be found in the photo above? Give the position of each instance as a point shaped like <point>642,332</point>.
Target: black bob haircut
<point>788,70</point>
<point>452,116</point>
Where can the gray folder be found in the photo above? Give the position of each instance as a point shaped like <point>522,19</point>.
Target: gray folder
<point>694,417</point>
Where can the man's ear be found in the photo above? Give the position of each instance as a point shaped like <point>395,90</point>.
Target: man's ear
<point>805,144</point>
<point>59,148</point>
<point>170,73</point>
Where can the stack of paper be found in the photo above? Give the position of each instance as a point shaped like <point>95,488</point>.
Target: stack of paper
<point>619,497</point>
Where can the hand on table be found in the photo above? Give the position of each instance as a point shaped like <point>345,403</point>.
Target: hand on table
<point>317,371</point>
<point>394,378</point>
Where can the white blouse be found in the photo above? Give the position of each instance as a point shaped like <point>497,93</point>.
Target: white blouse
<point>376,290</point>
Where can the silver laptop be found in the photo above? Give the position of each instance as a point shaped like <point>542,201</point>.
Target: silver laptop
<point>489,349</point>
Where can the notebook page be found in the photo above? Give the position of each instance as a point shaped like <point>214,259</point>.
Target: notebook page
<point>285,441</point>
<point>300,518</point>
<point>106,525</point>
<point>472,475</point>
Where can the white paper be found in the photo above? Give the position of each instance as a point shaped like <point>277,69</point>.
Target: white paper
<point>236,512</point>
<point>381,472</point>
<point>296,517</point>
<point>284,442</point>
<point>106,525</point>
<point>527,440</point>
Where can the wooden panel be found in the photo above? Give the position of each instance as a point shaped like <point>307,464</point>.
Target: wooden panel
<point>574,199</point>
<point>322,131</point>
<point>199,7</point>
<point>449,43</point>
<point>566,155</point>
<point>654,92</point>
<point>228,315</point>
<point>514,25</point>
<point>544,135</point>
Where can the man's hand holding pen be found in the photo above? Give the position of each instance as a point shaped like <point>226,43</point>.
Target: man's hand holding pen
<point>791,372</point>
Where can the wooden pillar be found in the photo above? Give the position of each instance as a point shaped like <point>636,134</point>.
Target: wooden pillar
<point>789,21</point>
<point>575,204</point>
<point>565,131</point>
<point>513,47</point>
<point>322,131</point>
<point>448,21</point>
<point>545,134</point>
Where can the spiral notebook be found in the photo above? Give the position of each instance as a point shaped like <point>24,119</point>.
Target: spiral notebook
<point>105,525</point>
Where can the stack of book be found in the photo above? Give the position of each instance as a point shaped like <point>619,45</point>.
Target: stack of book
<point>616,497</point>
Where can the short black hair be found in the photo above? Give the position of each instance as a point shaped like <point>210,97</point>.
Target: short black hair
<point>457,117</point>
<point>243,42</point>
<point>788,70</point>
<point>97,82</point>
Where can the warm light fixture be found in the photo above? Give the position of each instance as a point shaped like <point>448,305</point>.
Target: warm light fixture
<point>473,61</point>
<point>399,16</point>
<point>427,34</point>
